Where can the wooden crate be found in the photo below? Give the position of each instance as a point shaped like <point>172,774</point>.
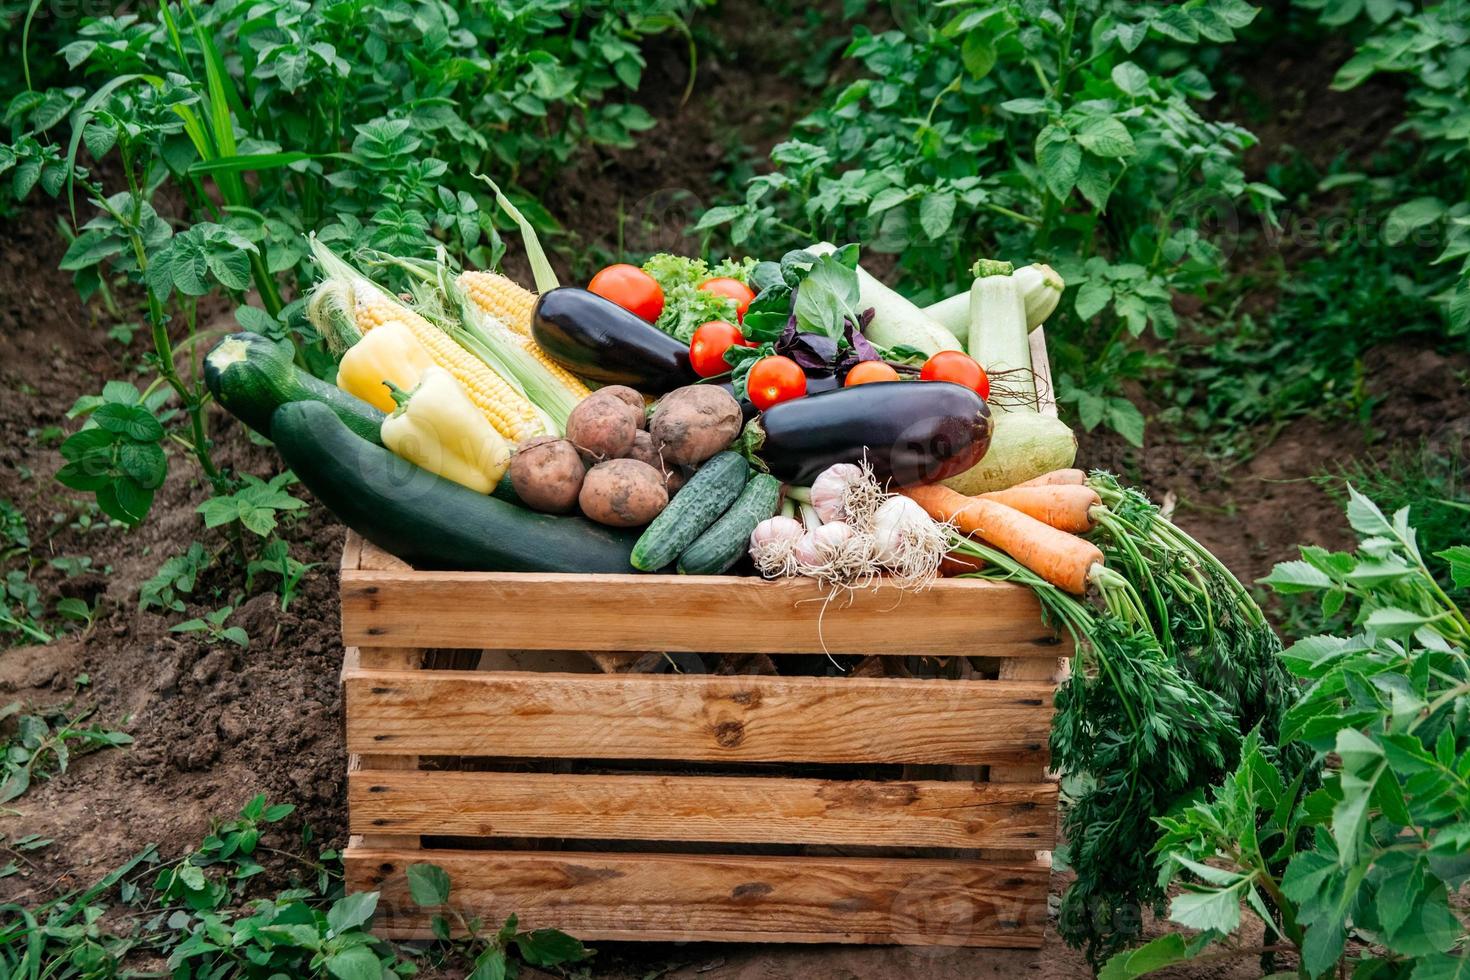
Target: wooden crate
<point>700,806</point>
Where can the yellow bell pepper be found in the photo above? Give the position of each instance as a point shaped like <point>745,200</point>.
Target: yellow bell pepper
<point>389,354</point>
<point>438,427</point>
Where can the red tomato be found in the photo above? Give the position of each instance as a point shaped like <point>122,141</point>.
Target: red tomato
<point>708,345</point>
<point>775,379</point>
<point>631,288</point>
<point>956,366</point>
<point>733,288</point>
<point>864,372</point>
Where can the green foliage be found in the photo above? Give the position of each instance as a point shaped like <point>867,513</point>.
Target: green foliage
<point>1283,341</point>
<point>15,535</point>
<point>1428,47</point>
<point>21,609</point>
<point>175,578</point>
<point>1064,132</point>
<point>1163,686</point>
<point>275,559</point>
<point>1379,852</point>
<point>193,913</point>
<point>256,505</point>
<point>363,122</point>
<point>117,454</point>
<point>429,887</point>
<point>43,745</point>
<point>213,625</point>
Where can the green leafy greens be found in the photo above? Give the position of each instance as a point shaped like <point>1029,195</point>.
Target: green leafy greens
<point>686,306</point>
<point>1381,849</point>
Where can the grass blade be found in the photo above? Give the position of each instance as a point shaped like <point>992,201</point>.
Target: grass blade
<point>25,42</point>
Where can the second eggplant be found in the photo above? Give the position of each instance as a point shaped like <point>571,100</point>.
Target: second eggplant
<point>910,432</point>
<point>596,339</point>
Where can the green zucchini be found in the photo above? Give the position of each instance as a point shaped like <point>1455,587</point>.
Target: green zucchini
<point>707,495</point>
<point>505,490</point>
<point>252,376</point>
<point>428,521</point>
<point>720,547</point>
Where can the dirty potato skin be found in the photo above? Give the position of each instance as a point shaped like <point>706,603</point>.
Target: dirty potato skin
<point>692,423</point>
<point>547,474</point>
<point>603,426</point>
<point>644,449</point>
<point>676,477</point>
<point>632,398</point>
<point>623,493</point>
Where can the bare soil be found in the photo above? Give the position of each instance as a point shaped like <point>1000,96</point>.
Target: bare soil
<point>214,725</point>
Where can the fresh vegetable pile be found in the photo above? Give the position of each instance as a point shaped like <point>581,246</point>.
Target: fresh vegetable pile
<point>784,418</point>
<point>676,416</point>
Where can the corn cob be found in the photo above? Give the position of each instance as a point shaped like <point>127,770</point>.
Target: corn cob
<point>505,299</point>
<point>511,304</point>
<point>508,411</point>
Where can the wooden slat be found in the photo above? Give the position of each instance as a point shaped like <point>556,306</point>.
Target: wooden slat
<point>679,898</point>
<point>383,657</point>
<point>704,808</point>
<point>698,718</point>
<point>351,551</point>
<point>375,559</point>
<point>1030,773</point>
<point>687,613</point>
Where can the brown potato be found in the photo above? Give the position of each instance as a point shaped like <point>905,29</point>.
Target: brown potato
<point>674,476</point>
<point>602,426</point>
<point>692,423</point>
<point>645,451</point>
<point>631,398</point>
<point>623,493</point>
<point>547,474</point>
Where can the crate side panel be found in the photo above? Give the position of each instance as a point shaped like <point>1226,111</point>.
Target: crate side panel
<point>700,718</point>
<point>688,613</point>
<point>718,898</point>
<point>919,813</point>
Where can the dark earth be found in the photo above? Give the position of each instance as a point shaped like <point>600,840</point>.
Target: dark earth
<point>215,725</point>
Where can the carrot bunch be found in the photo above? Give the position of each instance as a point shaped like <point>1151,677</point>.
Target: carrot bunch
<point>1173,662</point>
<point>1036,523</point>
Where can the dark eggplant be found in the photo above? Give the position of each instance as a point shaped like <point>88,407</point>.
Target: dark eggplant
<point>597,339</point>
<point>911,432</point>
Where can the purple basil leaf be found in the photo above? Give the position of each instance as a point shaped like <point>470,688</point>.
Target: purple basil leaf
<point>860,345</point>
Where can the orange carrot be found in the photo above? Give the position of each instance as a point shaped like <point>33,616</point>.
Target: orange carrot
<point>1056,478</point>
<point>1061,558</point>
<point>954,564</point>
<point>1064,506</point>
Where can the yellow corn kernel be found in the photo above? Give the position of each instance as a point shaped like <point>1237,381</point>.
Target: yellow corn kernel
<point>568,380</point>
<point>511,304</point>
<point>506,300</point>
<point>508,411</point>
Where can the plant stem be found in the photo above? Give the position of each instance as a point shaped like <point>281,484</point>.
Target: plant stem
<point>1029,219</point>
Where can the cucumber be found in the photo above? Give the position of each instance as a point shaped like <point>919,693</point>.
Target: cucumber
<point>252,376</point>
<point>707,495</point>
<point>428,521</point>
<point>726,541</point>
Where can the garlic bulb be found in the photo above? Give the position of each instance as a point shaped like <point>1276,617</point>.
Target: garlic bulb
<point>771,545</point>
<point>907,542</point>
<point>830,489</point>
<point>846,492</point>
<point>805,551</point>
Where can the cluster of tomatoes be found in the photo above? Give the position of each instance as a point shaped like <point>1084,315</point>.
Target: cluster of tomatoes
<point>775,378</point>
